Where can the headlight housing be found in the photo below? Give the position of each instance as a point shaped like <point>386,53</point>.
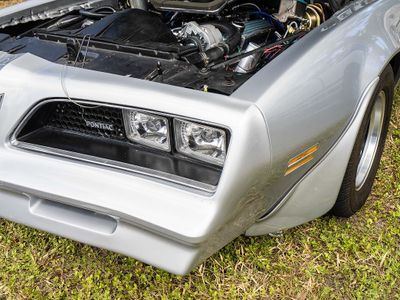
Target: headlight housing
<point>199,141</point>
<point>147,129</point>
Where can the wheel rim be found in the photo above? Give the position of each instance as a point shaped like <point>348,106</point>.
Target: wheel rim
<point>371,142</point>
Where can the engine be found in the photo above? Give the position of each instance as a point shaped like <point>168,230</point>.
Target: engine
<point>208,45</point>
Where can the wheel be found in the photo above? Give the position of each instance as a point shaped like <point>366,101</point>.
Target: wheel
<point>367,150</point>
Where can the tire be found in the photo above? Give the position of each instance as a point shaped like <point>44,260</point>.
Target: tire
<point>367,151</point>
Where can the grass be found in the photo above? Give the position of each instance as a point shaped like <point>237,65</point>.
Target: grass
<point>4,3</point>
<point>329,258</point>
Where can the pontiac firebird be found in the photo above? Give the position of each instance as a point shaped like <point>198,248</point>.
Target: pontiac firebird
<point>164,129</point>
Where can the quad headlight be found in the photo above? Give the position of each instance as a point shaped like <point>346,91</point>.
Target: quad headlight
<point>147,129</point>
<point>200,141</point>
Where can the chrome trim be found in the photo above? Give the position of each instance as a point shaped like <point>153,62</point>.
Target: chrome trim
<point>115,165</point>
<point>13,142</point>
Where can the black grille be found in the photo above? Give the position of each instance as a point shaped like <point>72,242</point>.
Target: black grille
<point>100,121</point>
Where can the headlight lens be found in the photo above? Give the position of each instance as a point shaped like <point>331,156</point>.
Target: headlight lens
<point>200,141</point>
<point>147,129</point>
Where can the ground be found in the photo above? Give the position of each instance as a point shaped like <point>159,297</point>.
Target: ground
<point>328,258</point>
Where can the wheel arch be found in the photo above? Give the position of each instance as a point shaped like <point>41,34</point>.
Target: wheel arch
<point>395,64</point>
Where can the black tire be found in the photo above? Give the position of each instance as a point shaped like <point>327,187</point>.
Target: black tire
<point>352,197</point>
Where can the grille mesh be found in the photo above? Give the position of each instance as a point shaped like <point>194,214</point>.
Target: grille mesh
<point>71,117</point>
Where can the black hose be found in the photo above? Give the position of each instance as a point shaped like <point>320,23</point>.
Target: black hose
<point>188,49</point>
<point>65,22</point>
<point>92,15</point>
<point>214,54</point>
<point>110,8</point>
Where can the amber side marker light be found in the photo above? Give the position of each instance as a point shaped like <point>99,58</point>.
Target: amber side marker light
<point>301,159</point>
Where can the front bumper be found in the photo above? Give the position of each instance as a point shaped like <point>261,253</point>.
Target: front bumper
<point>157,221</point>
<point>98,230</point>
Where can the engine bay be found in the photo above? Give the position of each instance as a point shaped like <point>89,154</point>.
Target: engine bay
<point>206,45</point>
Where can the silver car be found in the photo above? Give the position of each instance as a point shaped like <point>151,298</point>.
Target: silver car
<point>164,129</point>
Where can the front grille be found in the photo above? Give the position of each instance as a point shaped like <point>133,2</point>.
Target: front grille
<point>98,131</point>
<point>99,121</point>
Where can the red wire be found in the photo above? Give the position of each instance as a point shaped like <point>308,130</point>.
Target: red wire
<point>272,49</point>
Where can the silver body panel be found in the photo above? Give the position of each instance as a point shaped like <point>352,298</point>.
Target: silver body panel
<point>315,92</point>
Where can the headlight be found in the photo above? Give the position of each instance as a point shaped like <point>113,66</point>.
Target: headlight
<point>200,141</point>
<point>147,129</point>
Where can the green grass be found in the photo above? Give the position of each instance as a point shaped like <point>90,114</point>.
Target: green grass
<point>328,258</point>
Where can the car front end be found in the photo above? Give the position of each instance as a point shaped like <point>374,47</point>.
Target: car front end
<point>163,130</point>
<point>172,212</point>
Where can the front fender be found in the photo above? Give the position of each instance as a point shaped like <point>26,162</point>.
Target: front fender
<point>316,193</point>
